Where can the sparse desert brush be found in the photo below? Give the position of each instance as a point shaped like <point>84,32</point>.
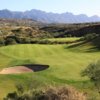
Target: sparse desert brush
<point>49,93</point>
<point>62,93</point>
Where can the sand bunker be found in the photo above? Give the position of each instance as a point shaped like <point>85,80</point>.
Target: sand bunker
<point>23,69</point>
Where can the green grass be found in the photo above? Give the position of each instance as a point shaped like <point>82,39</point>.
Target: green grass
<point>70,39</point>
<point>65,66</point>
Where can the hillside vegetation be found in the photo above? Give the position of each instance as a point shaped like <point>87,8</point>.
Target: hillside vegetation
<point>14,31</point>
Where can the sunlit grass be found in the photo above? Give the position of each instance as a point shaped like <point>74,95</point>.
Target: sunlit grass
<point>65,64</point>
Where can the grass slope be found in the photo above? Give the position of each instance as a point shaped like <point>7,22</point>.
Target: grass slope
<point>65,65</point>
<point>73,39</point>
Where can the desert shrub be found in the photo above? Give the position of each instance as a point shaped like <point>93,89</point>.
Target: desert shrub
<point>49,93</point>
<point>9,41</point>
<point>93,72</point>
<point>40,41</point>
<point>11,96</point>
<point>96,42</point>
<point>59,93</point>
<point>16,30</point>
<point>43,42</point>
<point>90,36</point>
<point>24,40</point>
<point>2,41</point>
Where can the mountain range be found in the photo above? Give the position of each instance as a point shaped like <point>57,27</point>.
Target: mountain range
<point>50,17</point>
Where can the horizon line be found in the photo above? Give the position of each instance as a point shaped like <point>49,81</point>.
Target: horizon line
<point>49,12</point>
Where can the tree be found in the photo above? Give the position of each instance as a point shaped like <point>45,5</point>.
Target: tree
<point>93,72</point>
<point>90,36</point>
<point>10,40</point>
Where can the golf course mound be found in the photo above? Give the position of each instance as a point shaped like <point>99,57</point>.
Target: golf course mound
<point>24,69</point>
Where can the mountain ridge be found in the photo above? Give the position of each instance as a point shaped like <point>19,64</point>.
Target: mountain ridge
<point>48,17</point>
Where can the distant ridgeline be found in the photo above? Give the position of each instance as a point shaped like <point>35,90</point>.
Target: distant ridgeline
<point>28,31</point>
<point>46,17</point>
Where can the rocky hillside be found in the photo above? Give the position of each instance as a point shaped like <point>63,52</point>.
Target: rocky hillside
<point>25,31</point>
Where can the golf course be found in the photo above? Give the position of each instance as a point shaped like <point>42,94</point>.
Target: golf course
<point>50,50</point>
<point>65,64</point>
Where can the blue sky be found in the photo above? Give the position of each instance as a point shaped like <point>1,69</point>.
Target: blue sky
<point>89,7</point>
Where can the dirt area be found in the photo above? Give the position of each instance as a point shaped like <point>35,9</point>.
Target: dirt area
<point>23,69</point>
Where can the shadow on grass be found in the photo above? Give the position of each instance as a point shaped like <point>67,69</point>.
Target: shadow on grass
<point>79,46</point>
<point>36,67</point>
<point>96,45</point>
<point>76,44</point>
<point>93,49</point>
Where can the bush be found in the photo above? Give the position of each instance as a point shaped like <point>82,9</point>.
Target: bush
<point>50,93</point>
<point>24,40</point>
<point>10,40</point>
<point>90,36</point>
<point>2,41</point>
<point>93,72</point>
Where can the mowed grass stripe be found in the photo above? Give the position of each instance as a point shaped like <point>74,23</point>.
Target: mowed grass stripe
<point>65,64</point>
<point>59,58</point>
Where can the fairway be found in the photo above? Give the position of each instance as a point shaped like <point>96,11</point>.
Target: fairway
<point>65,65</point>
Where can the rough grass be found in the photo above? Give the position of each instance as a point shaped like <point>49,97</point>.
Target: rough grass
<point>65,66</point>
